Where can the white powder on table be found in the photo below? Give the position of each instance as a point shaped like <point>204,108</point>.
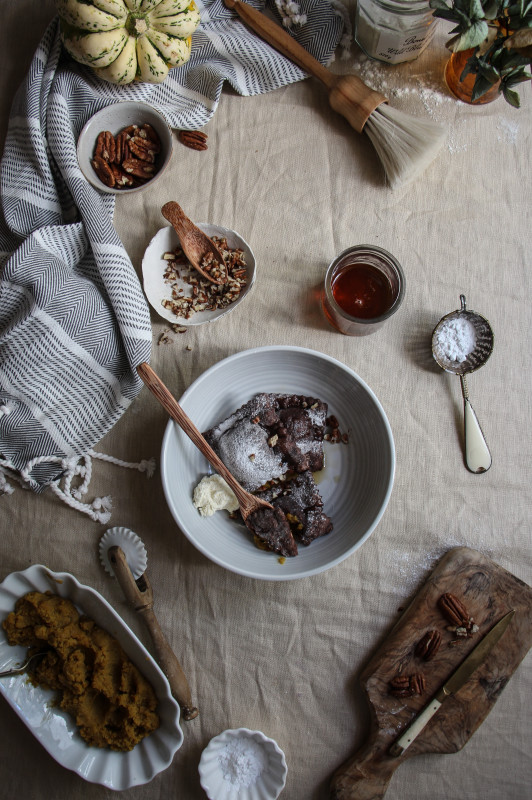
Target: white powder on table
<point>456,339</point>
<point>242,762</point>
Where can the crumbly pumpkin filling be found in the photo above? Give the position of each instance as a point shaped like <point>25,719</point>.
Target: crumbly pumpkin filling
<point>112,703</point>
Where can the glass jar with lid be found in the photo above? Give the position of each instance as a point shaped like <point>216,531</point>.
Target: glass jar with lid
<point>394,30</point>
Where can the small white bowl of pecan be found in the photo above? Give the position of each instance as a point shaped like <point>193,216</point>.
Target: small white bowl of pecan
<point>124,147</point>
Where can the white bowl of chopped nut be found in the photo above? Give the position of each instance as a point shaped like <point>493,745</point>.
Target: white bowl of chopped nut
<point>179,294</point>
<point>124,148</point>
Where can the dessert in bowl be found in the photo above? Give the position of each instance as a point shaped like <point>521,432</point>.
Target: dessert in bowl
<point>355,483</point>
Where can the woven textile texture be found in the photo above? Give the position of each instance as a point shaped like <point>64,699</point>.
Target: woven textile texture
<point>74,322</point>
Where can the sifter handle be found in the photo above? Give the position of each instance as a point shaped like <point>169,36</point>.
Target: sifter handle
<point>477,454</point>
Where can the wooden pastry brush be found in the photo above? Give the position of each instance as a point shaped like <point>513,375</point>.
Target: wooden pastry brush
<point>404,144</point>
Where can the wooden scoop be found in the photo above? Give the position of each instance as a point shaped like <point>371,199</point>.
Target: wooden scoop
<point>198,248</point>
<point>139,595</point>
<point>248,503</point>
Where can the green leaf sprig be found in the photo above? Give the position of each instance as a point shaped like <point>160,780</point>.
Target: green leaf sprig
<point>500,34</point>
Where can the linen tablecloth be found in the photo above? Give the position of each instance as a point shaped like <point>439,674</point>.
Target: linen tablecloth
<point>301,186</point>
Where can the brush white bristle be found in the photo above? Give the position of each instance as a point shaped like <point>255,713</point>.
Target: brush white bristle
<point>406,145</point>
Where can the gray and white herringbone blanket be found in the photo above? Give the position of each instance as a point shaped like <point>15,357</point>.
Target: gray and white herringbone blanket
<point>74,322</point>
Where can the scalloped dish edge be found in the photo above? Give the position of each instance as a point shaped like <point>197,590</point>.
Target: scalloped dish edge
<point>55,729</point>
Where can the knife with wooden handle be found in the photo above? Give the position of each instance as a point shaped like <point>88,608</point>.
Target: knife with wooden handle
<point>367,774</point>
<point>451,686</point>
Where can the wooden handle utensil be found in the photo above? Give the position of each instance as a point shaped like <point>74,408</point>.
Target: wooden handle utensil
<point>248,503</point>
<point>201,251</point>
<point>348,94</point>
<point>139,595</point>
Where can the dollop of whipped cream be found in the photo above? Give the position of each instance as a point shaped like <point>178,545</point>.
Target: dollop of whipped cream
<point>213,494</point>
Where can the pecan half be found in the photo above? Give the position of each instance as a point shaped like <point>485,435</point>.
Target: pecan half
<point>105,146</point>
<point>196,140</point>
<point>149,132</point>
<point>428,645</point>
<point>121,147</point>
<point>142,148</point>
<point>453,609</point>
<point>141,169</point>
<point>103,171</point>
<point>407,685</point>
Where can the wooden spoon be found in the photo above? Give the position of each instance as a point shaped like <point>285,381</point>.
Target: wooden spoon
<point>139,595</point>
<point>248,503</point>
<point>198,248</point>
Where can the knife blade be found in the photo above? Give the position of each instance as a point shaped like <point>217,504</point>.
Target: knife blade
<point>460,676</point>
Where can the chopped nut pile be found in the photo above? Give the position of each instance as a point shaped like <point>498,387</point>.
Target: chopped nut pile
<point>203,295</point>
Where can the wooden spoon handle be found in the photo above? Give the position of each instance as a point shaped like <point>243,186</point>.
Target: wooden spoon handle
<point>281,41</point>
<point>168,401</point>
<point>365,776</point>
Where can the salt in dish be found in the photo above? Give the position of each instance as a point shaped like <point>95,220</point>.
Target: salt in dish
<point>243,764</point>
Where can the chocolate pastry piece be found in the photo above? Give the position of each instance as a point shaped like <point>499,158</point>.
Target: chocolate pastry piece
<point>272,528</point>
<point>269,435</point>
<point>300,431</point>
<point>301,503</point>
<point>242,443</point>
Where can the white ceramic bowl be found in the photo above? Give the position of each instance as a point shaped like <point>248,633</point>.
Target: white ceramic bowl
<point>153,267</point>
<point>355,484</point>
<point>219,782</point>
<point>55,729</point>
<point>114,118</point>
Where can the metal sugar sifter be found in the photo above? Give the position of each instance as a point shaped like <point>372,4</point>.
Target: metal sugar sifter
<point>462,342</point>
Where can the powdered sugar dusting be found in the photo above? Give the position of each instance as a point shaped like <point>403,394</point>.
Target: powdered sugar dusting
<point>427,87</point>
<point>245,452</point>
<point>508,131</point>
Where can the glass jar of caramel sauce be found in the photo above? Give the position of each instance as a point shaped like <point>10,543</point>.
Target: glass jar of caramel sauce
<point>363,287</point>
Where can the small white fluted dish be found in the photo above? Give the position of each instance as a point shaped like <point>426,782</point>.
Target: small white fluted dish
<point>269,784</point>
<point>131,544</point>
<point>157,290</point>
<point>355,484</point>
<point>54,728</point>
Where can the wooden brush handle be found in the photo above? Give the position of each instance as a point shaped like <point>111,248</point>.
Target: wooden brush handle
<point>365,776</point>
<point>272,33</point>
<point>348,95</point>
<point>142,603</point>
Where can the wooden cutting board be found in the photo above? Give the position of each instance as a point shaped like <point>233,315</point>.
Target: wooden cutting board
<point>488,591</point>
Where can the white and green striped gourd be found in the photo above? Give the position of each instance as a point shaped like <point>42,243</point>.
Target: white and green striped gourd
<point>124,40</point>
